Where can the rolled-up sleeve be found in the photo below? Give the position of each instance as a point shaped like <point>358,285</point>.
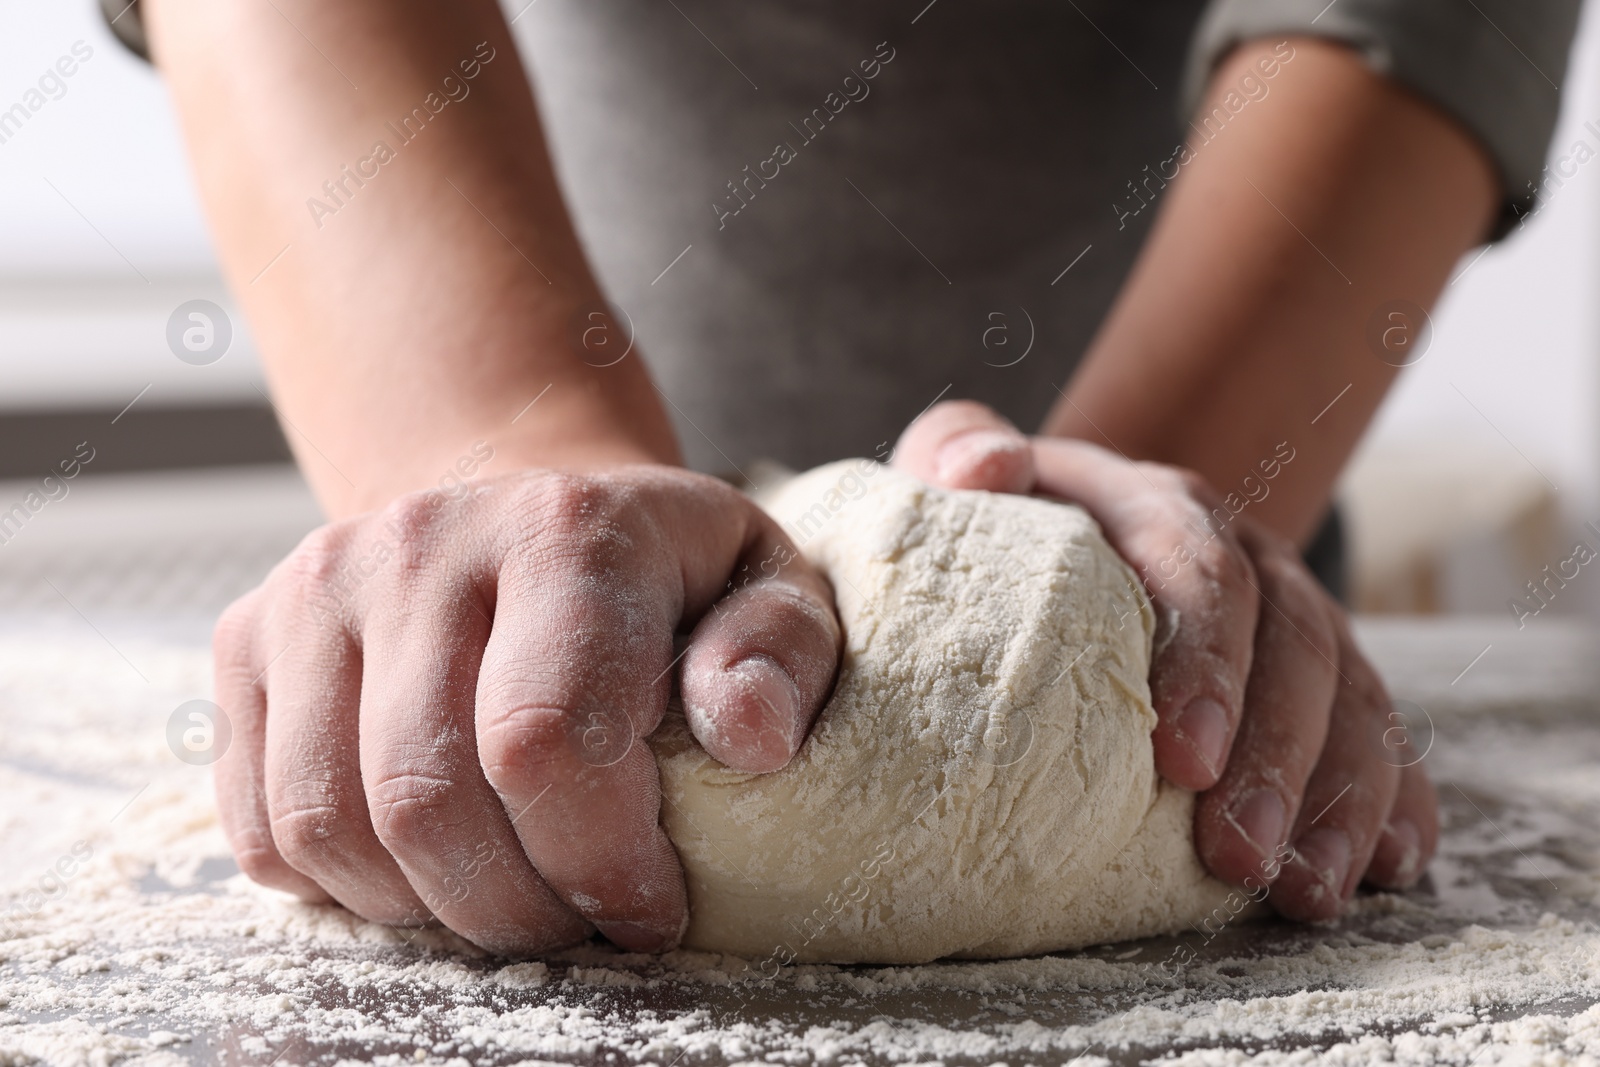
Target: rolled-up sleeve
<point>1495,66</point>
<point>126,20</point>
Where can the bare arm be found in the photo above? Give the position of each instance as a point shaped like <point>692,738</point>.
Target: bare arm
<point>1247,312</point>
<point>439,294</point>
<point>437,707</point>
<point>1244,320</point>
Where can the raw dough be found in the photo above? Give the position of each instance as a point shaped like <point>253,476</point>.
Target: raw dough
<point>982,782</point>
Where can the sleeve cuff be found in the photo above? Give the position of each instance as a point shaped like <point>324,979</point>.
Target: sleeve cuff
<point>126,22</point>
<point>1495,66</point>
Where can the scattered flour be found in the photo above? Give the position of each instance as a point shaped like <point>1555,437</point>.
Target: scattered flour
<point>154,951</point>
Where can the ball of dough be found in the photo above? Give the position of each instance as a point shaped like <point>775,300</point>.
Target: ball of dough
<point>981,782</point>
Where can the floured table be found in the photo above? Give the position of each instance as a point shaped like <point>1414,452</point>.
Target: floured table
<point>126,934</point>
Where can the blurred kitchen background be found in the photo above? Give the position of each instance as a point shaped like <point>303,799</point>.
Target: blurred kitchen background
<point>1483,468</point>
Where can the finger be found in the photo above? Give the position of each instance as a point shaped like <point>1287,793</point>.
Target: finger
<point>576,670</point>
<point>430,805</point>
<point>1242,824</point>
<point>761,662</point>
<point>1202,585</point>
<point>315,799</point>
<point>1347,799</point>
<point>1411,834</point>
<point>961,444</point>
<point>237,774</point>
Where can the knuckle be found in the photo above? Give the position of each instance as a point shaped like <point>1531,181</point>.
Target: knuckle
<point>319,553</point>
<point>234,635</point>
<point>253,849</point>
<point>1366,690</point>
<point>584,523</point>
<point>1176,481</point>
<point>1264,541</point>
<point>1194,486</point>
<point>315,565</point>
<point>950,417</point>
<point>409,531</point>
<point>970,410</point>
<point>1294,596</point>
<point>1377,738</point>
<point>413,515</point>
<point>397,548</point>
<point>785,605</point>
<point>1418,778</point>
<point>1183,509</point>
<point>570,501</point>
<point>304,833</point>
<point>514,745</point>
<point>1422,804</point>
<point>408,805</point>
<point>259,862</point>
<point>1226,570</point>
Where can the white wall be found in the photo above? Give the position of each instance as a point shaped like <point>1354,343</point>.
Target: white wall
<point>1517,332</point>
<point>110,144</point>
<point>101,236</point>
<point>1517,336</point>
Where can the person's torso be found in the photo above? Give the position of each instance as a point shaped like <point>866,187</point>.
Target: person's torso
<point>863,206</point>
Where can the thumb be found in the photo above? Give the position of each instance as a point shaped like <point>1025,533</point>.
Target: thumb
<point>961,444</point>
<point>761,662</point>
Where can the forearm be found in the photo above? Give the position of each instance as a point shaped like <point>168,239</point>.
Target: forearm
<point>424,298</point>
<point>1247,313</point>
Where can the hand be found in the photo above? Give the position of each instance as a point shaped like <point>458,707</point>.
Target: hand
<point>437,708</point>
<point>1264,704</point>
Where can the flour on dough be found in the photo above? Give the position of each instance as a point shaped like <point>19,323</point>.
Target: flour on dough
<point>982,782</point>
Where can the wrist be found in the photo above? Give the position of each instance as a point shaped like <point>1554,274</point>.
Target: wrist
<point>563,425</point>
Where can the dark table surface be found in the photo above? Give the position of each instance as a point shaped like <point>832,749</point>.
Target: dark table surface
<point>160,953</point>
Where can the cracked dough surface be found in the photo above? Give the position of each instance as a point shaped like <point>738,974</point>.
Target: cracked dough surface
<point>981,783</point>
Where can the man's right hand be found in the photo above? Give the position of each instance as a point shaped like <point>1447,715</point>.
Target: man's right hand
<point>436,709</point>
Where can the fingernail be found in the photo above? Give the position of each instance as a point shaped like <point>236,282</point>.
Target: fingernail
<point>635,937</point>
<point>1261,818</point>
<point>771,684</point>
<point>1326,853</point>
<point>963,460</point>
<point>1409,840</point>
<point>775,692</point>
<point>1204,725</point>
